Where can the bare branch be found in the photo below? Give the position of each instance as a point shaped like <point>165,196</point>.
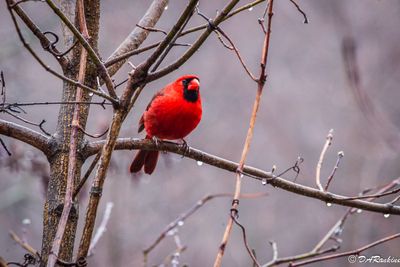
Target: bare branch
<point>5,106</point>
<point>137,36</point>
<point>328,142</point>
<point>24,245</point>
<point>182,217</point>
<point>246,147</point>
<point>87,174</point>
<point>44,41</point>
<point>231,14</point>
<point>150,29</point>
<point>82,38</point>
<point>394,191</point>
<point>50,70</point>
<point>253,257</point>
<point>347,253</point>
<point>164,46</point>
<point>40,124</point>
<point>102,227</point>
<point>220,17</point>
<point>301,11</point>
<point>113,60</point>
<point>219,31</point>
<point>275,181</point>
<point>340,155</point>
<point>26,135</point>
<point>110,62</point>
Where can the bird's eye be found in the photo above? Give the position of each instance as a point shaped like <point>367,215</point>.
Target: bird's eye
<point>185,82</point>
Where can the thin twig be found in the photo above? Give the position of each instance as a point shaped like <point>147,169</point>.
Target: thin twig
<point>5,147</point>
<point>274,250</point>
<point>13,105</point>
<point>394,191</point>
<point>151,29</point>
<point>232,47</point>
<point>328,142</point>
<point>50,70</point>
<point>40,124</point>
<point>47,45</point>
<point>260,85</point>
<point>395,200</point>
<point>340,155</point>
<point>159,54</point>
<point>24,244</point>
<point>182,217</point>
<point>298,257</point>
<point>102,227</point>
<point>347,253</point>
<point>300,10</point>
<point>137,36</point>
<point>82,38</point>
<point>246,244</point>
<point>93,135</point>
<point>87,174</point>
<point>200,40</point>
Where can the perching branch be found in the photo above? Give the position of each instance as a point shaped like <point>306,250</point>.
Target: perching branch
<point>254,173</point>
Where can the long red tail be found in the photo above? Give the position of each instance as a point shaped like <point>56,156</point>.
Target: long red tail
<point>145,158</point>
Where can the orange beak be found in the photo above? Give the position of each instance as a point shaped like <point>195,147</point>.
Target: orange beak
<point>194,84</point>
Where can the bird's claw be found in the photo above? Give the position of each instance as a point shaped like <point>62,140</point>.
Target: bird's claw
<point>185,147</point>
<point>156,141</point>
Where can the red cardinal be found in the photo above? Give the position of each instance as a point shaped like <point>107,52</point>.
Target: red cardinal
<point>172,114</point>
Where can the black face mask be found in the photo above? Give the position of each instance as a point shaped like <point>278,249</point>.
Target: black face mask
<point>189,95</point>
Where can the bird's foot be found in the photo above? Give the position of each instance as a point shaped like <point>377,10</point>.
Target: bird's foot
<point>156,141</point>
<point>185,147</point>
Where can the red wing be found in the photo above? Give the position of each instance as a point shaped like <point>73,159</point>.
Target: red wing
<point>141,121</point>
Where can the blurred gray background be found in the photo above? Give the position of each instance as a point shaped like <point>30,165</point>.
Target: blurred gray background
<point>307,93</point>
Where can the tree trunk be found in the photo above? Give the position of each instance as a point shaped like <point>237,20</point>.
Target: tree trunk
<point>59,160</point>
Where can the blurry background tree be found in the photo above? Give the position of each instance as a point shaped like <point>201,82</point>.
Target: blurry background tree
<point>321,75</point>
